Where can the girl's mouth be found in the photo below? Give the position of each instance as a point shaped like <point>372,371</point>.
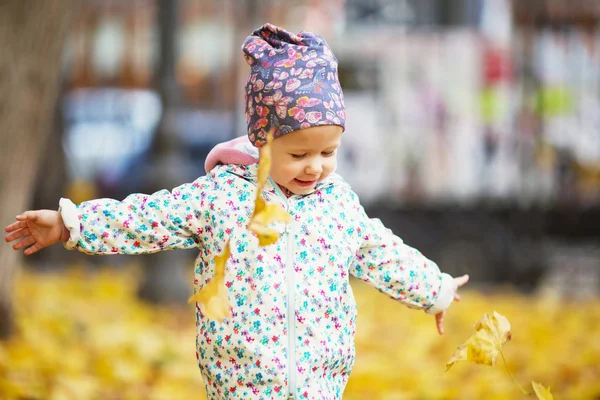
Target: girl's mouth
<point>304,183</point>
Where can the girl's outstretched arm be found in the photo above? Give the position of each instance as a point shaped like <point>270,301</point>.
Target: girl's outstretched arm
<point>400,271</point>
<point>35,230</point>
<point>141,223</point>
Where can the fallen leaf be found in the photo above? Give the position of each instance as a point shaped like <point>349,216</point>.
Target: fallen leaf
<point>213,296</point>
<point>493,330</point>
<point>263,214</point>
<point>541,392</point>
<point>264,164</point>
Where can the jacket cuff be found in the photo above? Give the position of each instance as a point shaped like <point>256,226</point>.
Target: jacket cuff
<point>70,217</point>
<point>445,296</point>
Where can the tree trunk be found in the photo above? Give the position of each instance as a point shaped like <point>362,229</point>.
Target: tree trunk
<point>32,36</point>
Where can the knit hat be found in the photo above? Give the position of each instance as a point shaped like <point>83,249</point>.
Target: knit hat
<point>293,83</point>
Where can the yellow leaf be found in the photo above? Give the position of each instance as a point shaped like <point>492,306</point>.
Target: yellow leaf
<point>264,215</point>
<point>213,296</point>
<point>493,330</point>
<point>541,392</point>
<point>264,164</point>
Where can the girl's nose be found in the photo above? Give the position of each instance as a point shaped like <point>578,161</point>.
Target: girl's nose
<point>314,168</point>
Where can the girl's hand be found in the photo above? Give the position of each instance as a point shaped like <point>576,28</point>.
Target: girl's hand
<point>38,229</point>
<point>439,317</point>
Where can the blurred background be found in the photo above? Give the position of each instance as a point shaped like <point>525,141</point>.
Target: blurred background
<point>473,133</point>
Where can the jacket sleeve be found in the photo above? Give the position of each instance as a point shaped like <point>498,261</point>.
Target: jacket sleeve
<point>141,224</point>
<point>398,270</point>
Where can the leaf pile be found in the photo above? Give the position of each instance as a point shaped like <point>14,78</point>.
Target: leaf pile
<point>85,336</point>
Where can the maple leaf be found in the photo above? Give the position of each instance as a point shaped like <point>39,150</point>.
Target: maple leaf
<point>213,296</point>
<point>264,163</point>
<point>541,392</point>
<point>262,217</point>
<point>492,331</point>
<point>263,214</point>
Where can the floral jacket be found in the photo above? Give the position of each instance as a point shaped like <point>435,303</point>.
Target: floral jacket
<point>291,334</point>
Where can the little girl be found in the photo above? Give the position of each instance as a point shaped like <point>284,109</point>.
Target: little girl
<point>293,314</point>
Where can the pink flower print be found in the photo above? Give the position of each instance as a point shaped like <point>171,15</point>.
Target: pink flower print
<point>265,63</point>
<point>331,117</point>
<point>307,73</point>
<point>316,62</point>
<point>305,101</point>
<point>296,71</point>
<point>304,125</point>
<point>293,55</point>
<point>314,116</point>
<point>280,103</point>
<point>336,99</point>
<point>250,47</point>
<point>260,123</point>
<point>292,84</point>
<point>262,111</point>
<point>297,113</point>
<point>277,82</point>
<point>312,54</point>
<point>258,85</point>
<point>341,114</point>
<point>261,135</point>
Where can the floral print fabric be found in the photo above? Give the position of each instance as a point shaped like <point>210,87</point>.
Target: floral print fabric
<point>293,83</point>
<point>293,311</point>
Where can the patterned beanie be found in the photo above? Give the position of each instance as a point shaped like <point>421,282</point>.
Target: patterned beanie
<point>293,83</point>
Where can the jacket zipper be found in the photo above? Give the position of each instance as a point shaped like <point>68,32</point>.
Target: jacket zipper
<point>291,313</point>
<point>291,309</point>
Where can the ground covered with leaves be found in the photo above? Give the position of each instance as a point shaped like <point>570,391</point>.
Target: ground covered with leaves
<point>83,335</point>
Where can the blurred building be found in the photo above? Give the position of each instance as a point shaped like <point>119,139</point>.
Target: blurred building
<point>473,125</point>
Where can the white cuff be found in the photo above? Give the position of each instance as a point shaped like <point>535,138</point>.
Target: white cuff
<point>444,297</point>
<point>70,217</point>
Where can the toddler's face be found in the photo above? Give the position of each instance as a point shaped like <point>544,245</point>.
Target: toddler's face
<point>303,158</point>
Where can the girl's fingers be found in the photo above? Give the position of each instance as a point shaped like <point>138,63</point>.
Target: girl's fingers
<point>439,321</point>
<point>28,241</point>
<point>456,297</point>
<point>28,215</point>
<point>16,225</point>
<point>33,249</point>
<point>17,234</point>
<point>461,280</point>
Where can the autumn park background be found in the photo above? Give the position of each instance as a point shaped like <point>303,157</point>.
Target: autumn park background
<point>473,133</point>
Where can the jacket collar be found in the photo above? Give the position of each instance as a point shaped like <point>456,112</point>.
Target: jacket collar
<point>249,173</point>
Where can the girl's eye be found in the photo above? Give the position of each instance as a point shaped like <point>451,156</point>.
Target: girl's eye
<point>298,156</point>
<point>328,153</point>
